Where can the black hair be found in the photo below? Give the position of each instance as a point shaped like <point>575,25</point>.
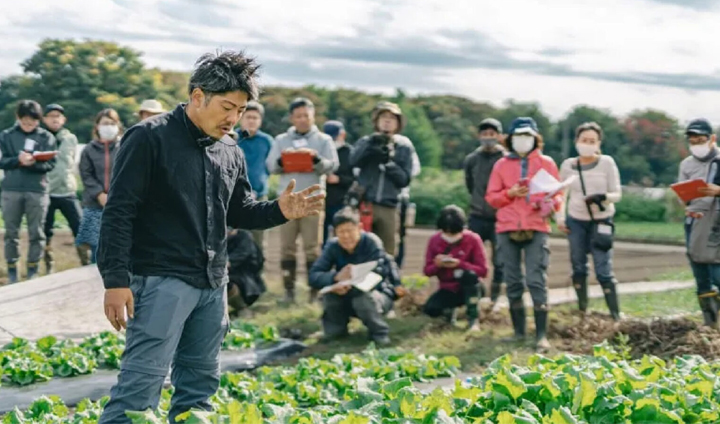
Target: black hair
<point>589,126</point>
<point>345,216</point>
<point>451,220</point>
<point>28,108</point>
<point>257,107</point>
<point>225,72</point>
<point>301,102</point>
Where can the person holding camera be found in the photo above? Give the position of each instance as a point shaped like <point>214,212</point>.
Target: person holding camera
<point>385,164</point>
<point>455,256</point>
<point>593,192</point>
<point>523,224</point>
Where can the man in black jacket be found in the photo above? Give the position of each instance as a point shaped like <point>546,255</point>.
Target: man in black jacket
<point>350,247</point>
<point>25,187</point>
<point>178,181</point>
<point>338,183</point>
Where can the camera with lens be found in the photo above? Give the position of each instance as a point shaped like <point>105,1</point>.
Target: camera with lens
<point>382,146</point>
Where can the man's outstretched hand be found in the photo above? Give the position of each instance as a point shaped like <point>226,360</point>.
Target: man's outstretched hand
<point>301,204</point>
<point>116,300</point>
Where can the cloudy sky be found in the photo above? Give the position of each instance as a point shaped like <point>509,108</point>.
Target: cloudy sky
<point>617,54</point>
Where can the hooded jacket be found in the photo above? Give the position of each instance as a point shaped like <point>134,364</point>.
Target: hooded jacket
<point>96,164</point>
<point>25,178</point>
<point>62,177</point>
<point>313,139</point>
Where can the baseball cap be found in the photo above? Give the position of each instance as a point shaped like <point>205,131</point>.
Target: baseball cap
<point>699,126</point>
<point>333,128</point>
<point>490,123</point>
<point>152,106</point>
<point>524,125</point>
<point>52,107</point>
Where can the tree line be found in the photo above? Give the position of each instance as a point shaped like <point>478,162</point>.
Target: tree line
<point>87,76</point>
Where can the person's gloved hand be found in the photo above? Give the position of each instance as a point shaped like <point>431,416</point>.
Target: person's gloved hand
<point>595,198</point>
<point>279,162</point>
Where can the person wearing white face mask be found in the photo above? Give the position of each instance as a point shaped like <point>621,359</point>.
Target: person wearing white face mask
<point>702,164</point>
<point>523,224</point>
<point>96,164</point>
<point>593,192</point>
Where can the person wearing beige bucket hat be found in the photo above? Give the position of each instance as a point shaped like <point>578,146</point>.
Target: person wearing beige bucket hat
<point>150,107</point>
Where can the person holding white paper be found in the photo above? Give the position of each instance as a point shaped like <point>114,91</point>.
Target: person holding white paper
<point>332,275</point>
<point>593,192</point>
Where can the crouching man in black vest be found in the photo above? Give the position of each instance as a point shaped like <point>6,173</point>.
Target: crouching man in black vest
<point>353,246</point>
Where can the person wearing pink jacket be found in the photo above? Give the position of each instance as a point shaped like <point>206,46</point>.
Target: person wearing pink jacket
<point>523,224</point>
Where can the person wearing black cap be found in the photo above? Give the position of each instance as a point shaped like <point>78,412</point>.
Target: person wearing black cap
<point>478,166</point>
<point>63,185</point>
<point>339,182</point>
<point>25,187</point>
<point>523,224</point>
<point>702,164</point>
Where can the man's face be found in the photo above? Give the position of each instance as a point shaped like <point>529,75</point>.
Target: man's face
<point>54,120</point>
<point>348,235</point>
<point>220,113</point>
<point>490,133</point>
<point>388,123</point>
<point>28,124</point>
<point>251,121</point>
<point>697,139</point>
<point>302,118</point>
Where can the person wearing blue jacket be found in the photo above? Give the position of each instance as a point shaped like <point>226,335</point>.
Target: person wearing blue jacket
<point>353,246</point>
<point>256,145</point>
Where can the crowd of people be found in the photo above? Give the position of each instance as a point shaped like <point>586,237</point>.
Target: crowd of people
<point>367,211</point>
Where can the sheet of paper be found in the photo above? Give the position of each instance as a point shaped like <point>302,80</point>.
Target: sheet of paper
<point>543,182</point>
<point>29,145</point>
<point>361,270</point>
<point>362,277</point>
<point>369,282</point>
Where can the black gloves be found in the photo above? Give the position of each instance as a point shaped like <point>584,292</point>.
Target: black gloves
<point>596,199</point>
<point>279,162</point>
<point>316,159</point>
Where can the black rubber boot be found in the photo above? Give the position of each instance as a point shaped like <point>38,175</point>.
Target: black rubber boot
<point>611,299</point>
<point>49,260</point>
<point>517,314</point>
<point>83,254</point>
<point>709,306</point>
<point>581,290</point>
<point>32,270</point>
<point>289,271</point>
<point>313,296</point>
<point>12,273</point>
<point>541,324</point>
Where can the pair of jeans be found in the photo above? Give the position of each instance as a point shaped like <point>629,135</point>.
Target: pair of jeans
<point>707,276</point>
<point>580,239</point>
<point>174,324</point>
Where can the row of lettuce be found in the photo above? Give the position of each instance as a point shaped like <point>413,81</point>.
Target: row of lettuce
<point>379,387</point>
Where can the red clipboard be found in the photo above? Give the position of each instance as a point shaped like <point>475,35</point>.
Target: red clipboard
<point>297,162</point>
<point>44,156</point>
<point>688,190</point>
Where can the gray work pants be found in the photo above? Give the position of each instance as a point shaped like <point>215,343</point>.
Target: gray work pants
<point>34,206</point>
<point>175,324</point>
<point>369,307</point>
<point>537,259</point>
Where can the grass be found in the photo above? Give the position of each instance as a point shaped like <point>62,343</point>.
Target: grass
<point>647,305</point>
<point>652,232</point>
<point>679,274</point>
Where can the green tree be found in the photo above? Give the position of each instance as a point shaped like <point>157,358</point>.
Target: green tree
<point>420,131</point>
<point>655,136</point>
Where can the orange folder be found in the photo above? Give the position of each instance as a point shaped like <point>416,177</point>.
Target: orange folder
<point>688,190</point>
<point>44,156</point>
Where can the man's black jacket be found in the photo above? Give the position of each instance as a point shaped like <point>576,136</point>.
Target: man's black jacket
<point>170,202</point>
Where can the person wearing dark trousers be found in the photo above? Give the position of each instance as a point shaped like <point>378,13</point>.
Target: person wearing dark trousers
<point>25,186</point>
<point>339,182</point>
<point>523,225</point>
<point>178,182</point>
<point>352,246</point>
<point>478,166</point>
<point>63,185</point>
<point>455,256</point>
<point>594,190</point>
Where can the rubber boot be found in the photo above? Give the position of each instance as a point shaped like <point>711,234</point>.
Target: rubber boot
<point>289,270</point>
<point>49,260</point>
<point>709,306</point>
<point>313,296</point>
<point>12,273</point>
<point>83,254</point>
<point>581,290</point>
<point>541,323</point>
<point>450,315</point>
<point>495,289</point>
<point>517,314</point>
<point>611,299</point>
<point>32,270</point>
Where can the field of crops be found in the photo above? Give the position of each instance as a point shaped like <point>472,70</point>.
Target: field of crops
<point>381,387</point>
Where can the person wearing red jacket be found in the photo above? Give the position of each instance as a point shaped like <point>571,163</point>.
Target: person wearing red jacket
<point>523,224</point>
<point>456,256</point>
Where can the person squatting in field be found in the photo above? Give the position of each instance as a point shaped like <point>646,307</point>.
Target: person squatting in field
<point>523,224</point>
<point>178,181</point>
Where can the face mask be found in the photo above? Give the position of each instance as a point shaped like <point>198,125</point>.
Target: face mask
<point>108,132</point>
<point>488,143</point>
<point>451,239</point>
<point>586,150</point>
<point>523,144</point>
<point>700,151</point>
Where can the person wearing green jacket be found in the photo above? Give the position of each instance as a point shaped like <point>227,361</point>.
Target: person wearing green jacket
<point>62,182</point>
